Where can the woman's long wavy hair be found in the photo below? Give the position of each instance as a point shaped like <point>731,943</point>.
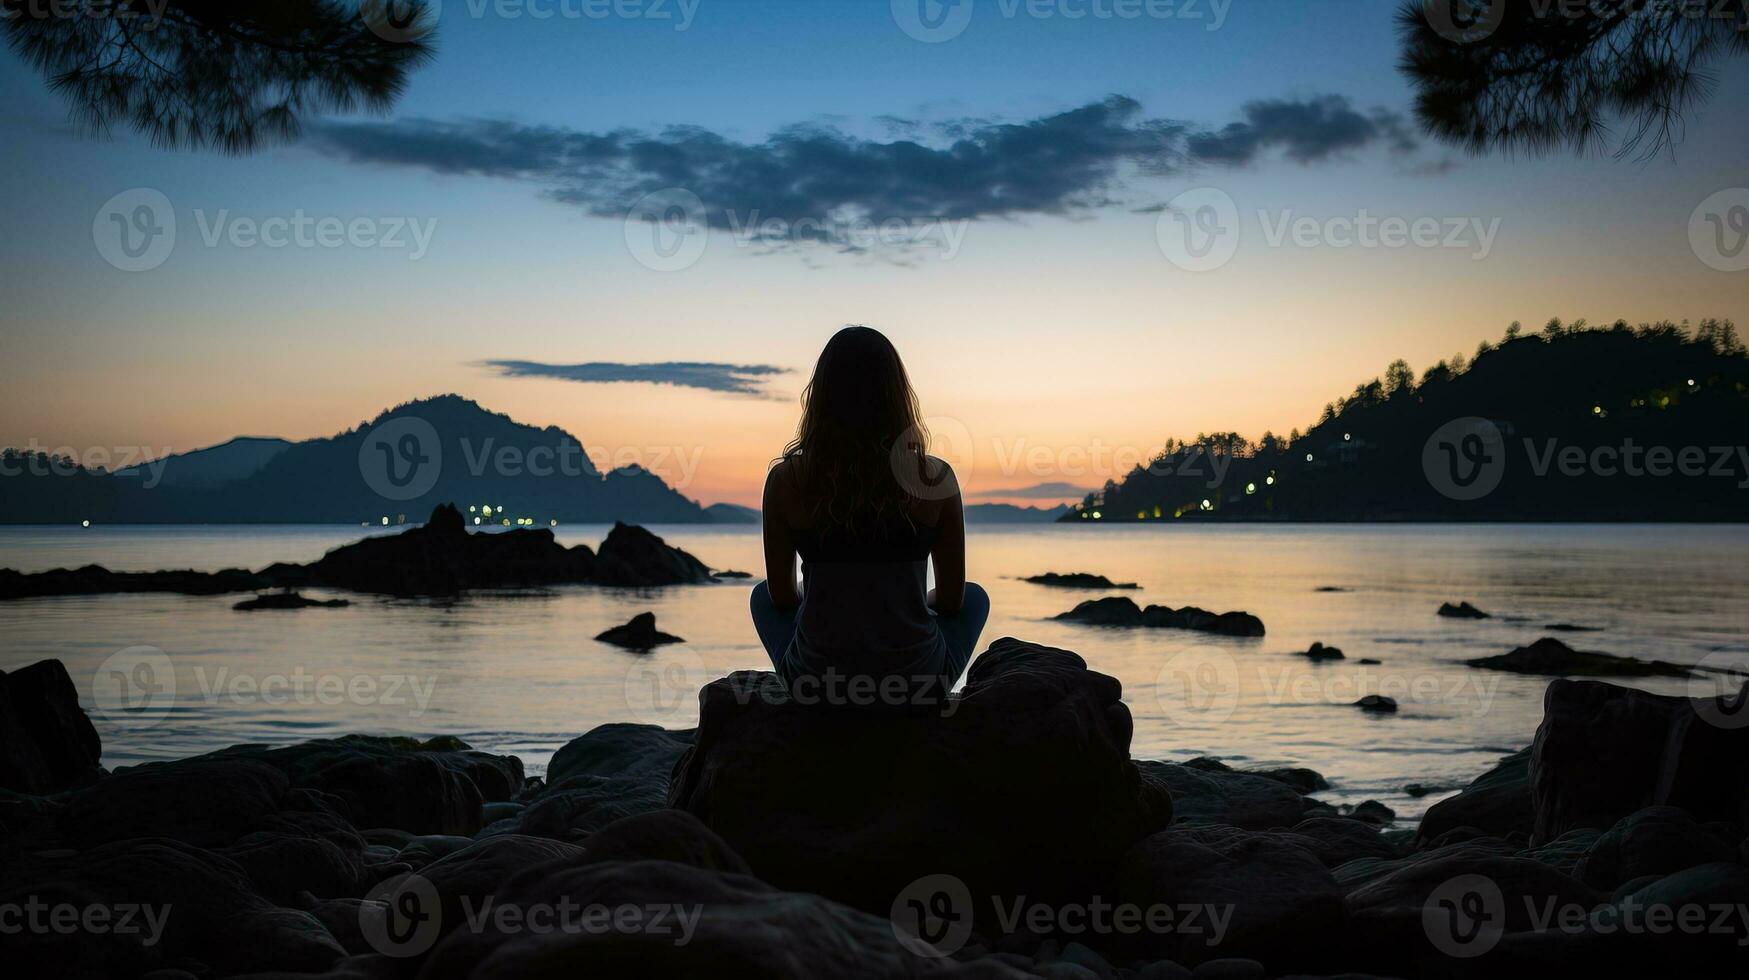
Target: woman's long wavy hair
<point>861,442</point>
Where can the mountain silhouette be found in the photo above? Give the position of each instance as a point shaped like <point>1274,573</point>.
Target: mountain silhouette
<point>213,466</point>
<point>397,466</point>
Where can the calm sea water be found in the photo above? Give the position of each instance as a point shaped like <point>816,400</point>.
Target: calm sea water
<point>522,673</point>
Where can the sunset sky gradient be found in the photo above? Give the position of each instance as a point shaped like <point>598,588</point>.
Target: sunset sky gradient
<point>1069,331</point>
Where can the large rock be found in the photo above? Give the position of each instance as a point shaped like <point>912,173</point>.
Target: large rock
<point>1032,759</point>
<point>1224,796</point>
<point>633,556</point>
<point>439,558</point>
<point>1401,923</point>
<point>1656,841</point>
<point>443,558</point>
<point>434,787</point>
<point>712,924</point>
<point>165,904</point>
<point>1603,752</point>
<point>1497,802</point>
<point>613,772</point>
<point>46,742</point>
<point>1551,657</point>
<point>1123,611</point>
<point>1278,901</point>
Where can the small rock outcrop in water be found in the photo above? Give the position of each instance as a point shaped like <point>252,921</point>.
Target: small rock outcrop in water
<point>1462,610</point>
<point>287,600</point>
<point>1123,611</point>
<point>1551,657</point>
<point>1377,703</point>
<point>639,634</point>
<point>955,786</point>
<point>46,741</point>
<point>1319,651</point>
<point>1078,580</point>
<point>440,558</point>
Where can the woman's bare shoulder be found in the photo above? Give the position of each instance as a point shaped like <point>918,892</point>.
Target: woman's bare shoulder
<point>941,476</point>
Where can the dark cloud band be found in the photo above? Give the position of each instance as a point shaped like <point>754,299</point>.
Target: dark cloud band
<point>1066,163</point>
<point>739,379</point>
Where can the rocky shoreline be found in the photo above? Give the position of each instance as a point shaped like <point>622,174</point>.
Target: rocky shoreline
<point>439,558</point>
<point>1002,832</point>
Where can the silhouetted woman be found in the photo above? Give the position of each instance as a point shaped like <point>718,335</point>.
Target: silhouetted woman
<point>856,495</point>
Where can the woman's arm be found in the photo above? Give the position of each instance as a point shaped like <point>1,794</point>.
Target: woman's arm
<point>950,552</point>
<point>780,544</point>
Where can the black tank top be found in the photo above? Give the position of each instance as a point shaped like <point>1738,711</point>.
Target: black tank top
<point>865,606</point>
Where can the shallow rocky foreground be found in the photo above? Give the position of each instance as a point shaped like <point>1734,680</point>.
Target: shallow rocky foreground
<point>1003,832</point>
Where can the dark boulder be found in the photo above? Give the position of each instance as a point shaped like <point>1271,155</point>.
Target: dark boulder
<point>1378,704</point>
<point>1373,812</point>
<point>1319,651</point>
<point>715,924</point>
<point>664,835</point>
<point>1224,796</point>
<point>1335,841</point>
<point>613,772</point>
<point>46,741</point>
<point>1300,779</point>
<point>639,634</point>
<point>1280,900</point>
<point>1498,802</point>
<point>632,556</point>
<point>1551,657</point>
<point>1123,611</point>
<point>165,904</point>
<point>620,749</point>
<point>1078,580</point>
<point>1603,752</point>
<point>1462,610</point>
<point>1658,840</point>
<point>439,558</point>
<point>435,787</point>
<point>287,600</point>
<point>97,580</point>
<point>857,805</point>
<point>442,558</point>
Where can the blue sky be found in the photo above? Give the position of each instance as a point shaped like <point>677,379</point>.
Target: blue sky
<point>1061,329</point>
